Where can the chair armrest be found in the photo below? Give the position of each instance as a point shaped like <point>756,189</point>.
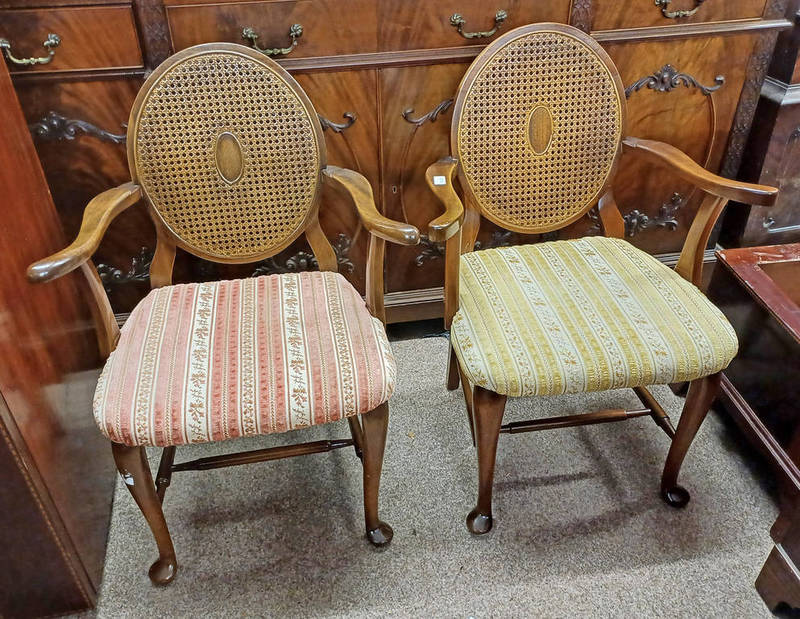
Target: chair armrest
<point>361,192</point>
<point>97,216</point>
<point>440,180</point>
<point>685,167</point>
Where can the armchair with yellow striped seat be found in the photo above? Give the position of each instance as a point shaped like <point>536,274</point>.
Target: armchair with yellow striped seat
<point>538,128</point>
<point>228,154</point>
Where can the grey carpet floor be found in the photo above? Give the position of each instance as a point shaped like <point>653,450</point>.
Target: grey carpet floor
<point>579,527</point>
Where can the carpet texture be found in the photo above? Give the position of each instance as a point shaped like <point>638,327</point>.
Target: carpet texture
<point>579,527</point>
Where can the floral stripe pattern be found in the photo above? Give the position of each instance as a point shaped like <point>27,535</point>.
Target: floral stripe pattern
<point>214,361</point>
<point>582,315</point>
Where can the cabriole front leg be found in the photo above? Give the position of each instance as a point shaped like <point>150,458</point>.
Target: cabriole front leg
<point>699,399</point>
<point>135,471</point>
<point>374,425</point>
<point>487,410</point>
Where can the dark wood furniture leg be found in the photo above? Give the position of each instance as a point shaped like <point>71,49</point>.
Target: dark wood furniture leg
<point>164,475</point>
<point>779,580</point>
<point>132,465</point>
<point>452,371</point>
<point>701,394</point>
<point>358,435</point>
<point>374,424</point>
<point>467,388</point>
<point>488,408</point>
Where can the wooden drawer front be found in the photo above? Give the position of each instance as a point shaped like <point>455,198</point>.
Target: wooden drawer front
<point>91,38</point>
<point>330,27</point>
<point>419,24</point>
<point>611,14</point>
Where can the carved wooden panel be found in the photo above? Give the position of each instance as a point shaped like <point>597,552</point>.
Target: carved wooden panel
<point>611,14</point>
<point>90,38</point>
<point>413,24</point>
<point>328,26</point>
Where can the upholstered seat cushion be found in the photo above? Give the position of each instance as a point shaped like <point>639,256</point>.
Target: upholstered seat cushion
<point>582,315</point>
<point>214,361</point>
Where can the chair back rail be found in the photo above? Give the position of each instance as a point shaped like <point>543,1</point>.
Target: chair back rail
<point>537,129</point>
<point>228,151</point>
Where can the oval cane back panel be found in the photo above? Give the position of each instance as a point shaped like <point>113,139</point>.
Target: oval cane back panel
<point>226,148</point>
<point>537,126</point>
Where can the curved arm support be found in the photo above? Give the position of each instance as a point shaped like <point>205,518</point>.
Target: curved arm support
<point>688,169</point>
<point>361,192</point>
<point>439,177</point>
<point>97,216</point>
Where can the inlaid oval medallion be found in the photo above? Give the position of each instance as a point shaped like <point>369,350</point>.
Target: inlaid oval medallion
<point>228,153</point>
<point>540,129</point>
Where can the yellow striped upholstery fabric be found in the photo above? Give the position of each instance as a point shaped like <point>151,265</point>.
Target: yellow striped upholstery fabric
<point>582,315</point>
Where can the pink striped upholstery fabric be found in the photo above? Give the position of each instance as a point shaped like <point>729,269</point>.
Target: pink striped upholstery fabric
<point>215,361</point>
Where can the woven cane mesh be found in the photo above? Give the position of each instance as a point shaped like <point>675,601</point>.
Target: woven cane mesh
<point>513,184</point>
<point>176,143</point>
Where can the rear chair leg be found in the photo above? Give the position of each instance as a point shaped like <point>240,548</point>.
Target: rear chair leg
<point>357,434</point>
<point>699,399</point>
<point>135,471</point>
<point>452,371</point>
<point>488,408</point>
<point>467,389</point>
<point>374,425</point>
<point>164,475</point>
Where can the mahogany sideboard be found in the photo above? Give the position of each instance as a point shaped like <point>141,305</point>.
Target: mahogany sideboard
<point>56,472</point>
<point>382,74</point>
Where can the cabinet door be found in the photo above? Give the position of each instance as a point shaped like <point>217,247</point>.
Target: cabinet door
<point>684,92</point>
<point>346,103</point>
<point>681,91</point>
<point>415,121</point>
<point>79,133</point>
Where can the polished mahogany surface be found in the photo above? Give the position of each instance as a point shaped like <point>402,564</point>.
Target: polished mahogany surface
<point>57,470</point>
<point>772,276</point>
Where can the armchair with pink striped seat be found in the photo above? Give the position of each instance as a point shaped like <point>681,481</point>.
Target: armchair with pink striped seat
<point>227,152</point>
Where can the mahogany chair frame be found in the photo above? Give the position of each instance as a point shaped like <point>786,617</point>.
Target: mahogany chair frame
<point>458,228</point>
<point>368,435</point>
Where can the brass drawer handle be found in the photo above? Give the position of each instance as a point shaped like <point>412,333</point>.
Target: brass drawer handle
<point>295,32</point>
<point>50,44</point>
<point>458,22</point>
<point>664,6</point>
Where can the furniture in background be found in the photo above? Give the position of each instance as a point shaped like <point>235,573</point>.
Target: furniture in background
<point>772,155</point>
<point>758,288</point>
<point>228,154</point>
<point>539,126</point>
<point>57,475</point>
<point>383,74</point>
